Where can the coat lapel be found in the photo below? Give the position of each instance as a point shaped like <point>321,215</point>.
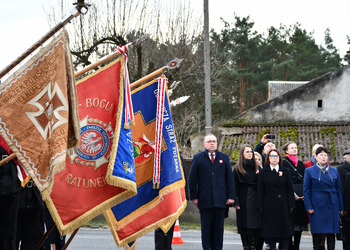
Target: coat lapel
<point>319,175</point>
<point>272,176</point>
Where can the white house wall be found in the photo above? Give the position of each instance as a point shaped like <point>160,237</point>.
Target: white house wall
<point>301,104</point>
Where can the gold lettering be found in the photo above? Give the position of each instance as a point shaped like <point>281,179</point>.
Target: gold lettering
<point>88,102</point>
<point>92,183</point>
<point>100,182</point>
<point>87,184</point>
<point>95,102</point>
<point>69,176</point>
<point>74,182</point>
<point>79,179</point>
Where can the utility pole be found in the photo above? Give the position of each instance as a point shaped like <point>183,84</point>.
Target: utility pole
<point>207,87</point>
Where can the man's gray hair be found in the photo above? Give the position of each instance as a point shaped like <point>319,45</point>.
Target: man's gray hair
<point>205,137</point>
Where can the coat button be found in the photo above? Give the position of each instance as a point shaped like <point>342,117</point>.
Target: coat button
<point>279,196</point>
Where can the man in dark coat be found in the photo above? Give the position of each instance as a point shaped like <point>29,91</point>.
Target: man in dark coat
<point>10,187</point>
<point>344,173</point>
<point>264,146</point>
<point>212,187</point>
<point>31,218</point>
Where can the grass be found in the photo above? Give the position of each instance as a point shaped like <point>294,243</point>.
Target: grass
<point>100,222</point>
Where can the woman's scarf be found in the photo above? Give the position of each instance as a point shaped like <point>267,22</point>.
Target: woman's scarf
<point>324,168</point>
<point>293,158</point>
<point>250,177</point>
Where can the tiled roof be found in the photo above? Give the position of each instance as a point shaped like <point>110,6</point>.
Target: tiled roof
<point>335,137</point>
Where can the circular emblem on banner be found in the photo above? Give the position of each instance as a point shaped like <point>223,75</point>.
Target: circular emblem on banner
<point>94,142</point>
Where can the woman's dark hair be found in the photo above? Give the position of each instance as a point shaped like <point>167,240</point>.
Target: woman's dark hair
<point>320,150</point>
<point>267,159</point>
<point>241,159</point>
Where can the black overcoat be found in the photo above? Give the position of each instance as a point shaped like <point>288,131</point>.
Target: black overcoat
<point>275,201</point>
<point>211,183</point>
<point>300,216</point>
<point>344,173</point>
<point>246,191</point>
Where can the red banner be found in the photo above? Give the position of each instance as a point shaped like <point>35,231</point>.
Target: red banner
<point>80,191</point>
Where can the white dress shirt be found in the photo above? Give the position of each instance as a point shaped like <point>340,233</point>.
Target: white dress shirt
<point>277,168</point>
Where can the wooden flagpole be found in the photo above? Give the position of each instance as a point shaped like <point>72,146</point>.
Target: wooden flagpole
<point>175,63</point>
<point>171,65</point>
<point>109,57</point>
<point>86,69</point>
<point>7,159</point>
<point>70,239</point>
<point>49,230</point>
<point>81,8</point>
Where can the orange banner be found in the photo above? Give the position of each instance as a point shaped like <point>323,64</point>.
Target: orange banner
<point>38,111</point>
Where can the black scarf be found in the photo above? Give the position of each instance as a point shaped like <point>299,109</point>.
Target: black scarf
<point>250,177</point>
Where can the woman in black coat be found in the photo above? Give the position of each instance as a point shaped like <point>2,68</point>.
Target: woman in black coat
<point>246,180</point>
<point>297,169</point>
<point>275,201</point>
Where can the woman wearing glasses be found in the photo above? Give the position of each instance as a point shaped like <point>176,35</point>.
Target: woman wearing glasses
<point>275,201</point>
<point>297,169</point>
<point>323,199</point>
<point>246,180</point>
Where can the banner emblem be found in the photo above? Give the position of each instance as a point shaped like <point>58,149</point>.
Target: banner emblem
<point>95,142</point>
<point>49,104</point>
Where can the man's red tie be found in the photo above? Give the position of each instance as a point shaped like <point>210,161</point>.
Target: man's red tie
<point>212,157</point>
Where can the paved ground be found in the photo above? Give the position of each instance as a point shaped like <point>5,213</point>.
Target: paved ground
<point>102,239</point>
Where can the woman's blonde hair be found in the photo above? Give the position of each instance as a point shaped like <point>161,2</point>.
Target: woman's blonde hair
<point>256,154</point>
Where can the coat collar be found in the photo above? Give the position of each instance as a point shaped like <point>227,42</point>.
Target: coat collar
<point>316,173</point>
<point>272,176</point>
<point>346,165</point>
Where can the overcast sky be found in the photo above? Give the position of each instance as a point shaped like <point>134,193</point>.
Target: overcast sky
<point>23,22</point>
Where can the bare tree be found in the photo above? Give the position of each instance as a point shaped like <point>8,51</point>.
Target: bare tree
<point>175,29</point>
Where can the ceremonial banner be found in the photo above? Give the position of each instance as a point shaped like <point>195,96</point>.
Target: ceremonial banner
<point>150,208</point>
<point>80,191</point>
<point>38,111</point>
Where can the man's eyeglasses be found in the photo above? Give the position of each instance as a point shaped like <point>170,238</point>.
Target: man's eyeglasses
<point>274,156</point>
<point>210,141</point>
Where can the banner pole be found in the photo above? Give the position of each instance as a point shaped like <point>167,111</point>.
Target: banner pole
<point>149,76</point>
<point>70,239</point>
<point>109,57</point>
<point>175,63</point>
<point>7,159</point>
<point>42,240</point>
<point>80,5</point>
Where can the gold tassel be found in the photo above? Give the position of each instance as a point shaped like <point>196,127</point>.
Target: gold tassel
<point>132,122</point>
<point>126,126</point>
<point>156,185</point>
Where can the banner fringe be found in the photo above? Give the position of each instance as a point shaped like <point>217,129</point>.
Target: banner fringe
<point>86,217</point>
<point>152,204</point>
<point>120,243</point>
